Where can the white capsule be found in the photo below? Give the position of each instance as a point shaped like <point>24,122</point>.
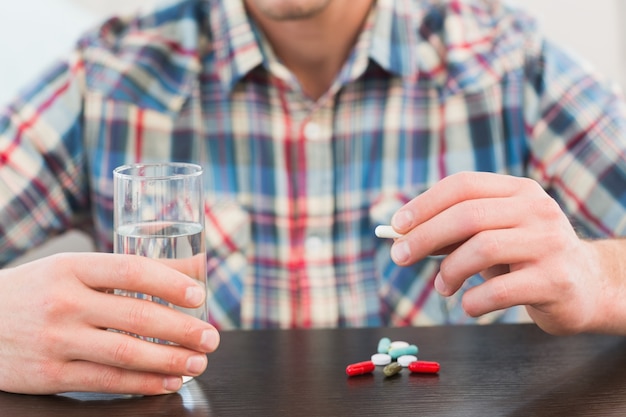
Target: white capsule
<point>386,232</point>
<point>405,360</point>
<point>381,359</point>
<point>398,344</point>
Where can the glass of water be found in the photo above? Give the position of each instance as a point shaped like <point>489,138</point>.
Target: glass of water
<point>159,213</point>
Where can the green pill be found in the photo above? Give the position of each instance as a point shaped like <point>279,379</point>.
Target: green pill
<point>383,345</point>
<point>392,369</point>
<point>395,353</point>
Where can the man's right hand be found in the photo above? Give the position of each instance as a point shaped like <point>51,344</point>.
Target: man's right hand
<point>56,313</point>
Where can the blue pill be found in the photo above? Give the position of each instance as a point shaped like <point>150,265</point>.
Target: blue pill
<point>395,353</point>
<point>383,345</point>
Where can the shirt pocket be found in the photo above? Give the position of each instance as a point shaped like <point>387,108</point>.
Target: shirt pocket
<point>228,239</point>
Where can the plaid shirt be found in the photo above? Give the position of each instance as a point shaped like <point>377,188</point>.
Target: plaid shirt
<point>295,187</point>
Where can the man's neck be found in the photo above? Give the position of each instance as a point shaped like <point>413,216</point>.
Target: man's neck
<point>316,48</point>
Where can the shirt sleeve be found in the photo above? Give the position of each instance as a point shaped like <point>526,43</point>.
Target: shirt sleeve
<point>577,125</point>
<point>43,182</point>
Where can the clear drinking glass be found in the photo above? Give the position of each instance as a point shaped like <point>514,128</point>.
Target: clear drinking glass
<point>159,213</point>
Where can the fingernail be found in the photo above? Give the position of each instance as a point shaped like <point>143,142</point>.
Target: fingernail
<point>440,286</point>
<point>400,252</point>
<point>208,341</point>
<point>403,219</point>
<point>172,383</point>
<point>194,295</point>
<point>196,364</point>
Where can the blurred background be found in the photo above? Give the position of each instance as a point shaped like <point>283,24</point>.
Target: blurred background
<point>33,33</point>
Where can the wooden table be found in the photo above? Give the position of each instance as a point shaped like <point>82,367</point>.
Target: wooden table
<point>495,370</point>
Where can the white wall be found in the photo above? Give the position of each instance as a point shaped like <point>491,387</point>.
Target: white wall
<point>592,28</point>
<point>35,32</point>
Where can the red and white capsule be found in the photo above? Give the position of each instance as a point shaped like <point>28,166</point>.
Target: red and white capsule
<point>424,367</point>
<point>360,368</point>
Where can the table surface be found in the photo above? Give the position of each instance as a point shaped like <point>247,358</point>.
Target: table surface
<point>494,370</point>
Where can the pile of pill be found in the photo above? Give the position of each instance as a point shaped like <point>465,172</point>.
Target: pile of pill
<point>393,356</point>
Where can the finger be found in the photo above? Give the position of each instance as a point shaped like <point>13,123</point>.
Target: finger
<point>150,319</point>
<point>194,267</point>
<point>140,274</point>
<point>504,291</point>
<point>494,271</point>
<point>483,251</point>
<point>124,351</point>
<point>454,225</point>
<point>95,377</point>
<point>454,189</point>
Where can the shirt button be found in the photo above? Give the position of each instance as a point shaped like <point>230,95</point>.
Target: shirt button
<point>313,131</point>
<point>314,243</point>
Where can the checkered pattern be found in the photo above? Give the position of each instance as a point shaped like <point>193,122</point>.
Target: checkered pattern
<point>295,187</point>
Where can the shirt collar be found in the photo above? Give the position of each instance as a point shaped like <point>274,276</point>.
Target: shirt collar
<point>450,46</point>
<point>234,42</point>
<point>454,46</point>
<point>239,47</point>
<point>394,36</point>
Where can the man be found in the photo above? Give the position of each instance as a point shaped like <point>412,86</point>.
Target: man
<point>315,121</point>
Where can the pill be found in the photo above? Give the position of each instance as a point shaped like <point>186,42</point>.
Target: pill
<point>405,360</point>
<point>398,344</point>
<point>386,232</point>
<point>395,353</point>
<point>424,367</point>
<point>383,345</point>
<point>360,368</point>
<point>381,359</point>
<point>392,369</point>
